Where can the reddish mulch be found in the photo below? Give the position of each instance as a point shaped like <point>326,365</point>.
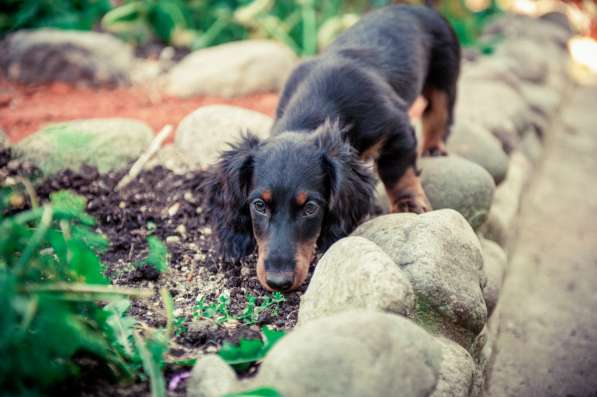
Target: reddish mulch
<point>24,109</point>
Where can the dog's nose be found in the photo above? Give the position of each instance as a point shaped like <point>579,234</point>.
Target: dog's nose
<point>280,281</point>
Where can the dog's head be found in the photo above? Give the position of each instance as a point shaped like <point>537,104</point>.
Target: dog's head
<point>287,195</point>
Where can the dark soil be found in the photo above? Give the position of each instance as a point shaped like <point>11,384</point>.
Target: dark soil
<point>162,203</point>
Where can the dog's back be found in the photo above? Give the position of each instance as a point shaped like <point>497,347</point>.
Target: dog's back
<point>400,41</point>
<point>391,54</point>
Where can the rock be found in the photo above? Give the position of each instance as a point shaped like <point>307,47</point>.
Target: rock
<point>529,62</point>
<point>211,377</point>
<point>495,106</point>
<point>46,55</point>
<point>171,158</point>
<point>356,274</point>
<point>354,353</point>
<point>3,139</point>
<point>457,371</point>
<point>506,202</point>
<point>542,99</point>
<point>203,134</point>
<point>500,69</point>
<point>459,184</point>
<point>478,145</point>
<point>441,255</point>
<point>560,19</point>
<point>494,265</point>
<point>531,146</point>
<point>104,143</point>
<point>199,331</point>
<point>232,70</point>
<point>512,26</point>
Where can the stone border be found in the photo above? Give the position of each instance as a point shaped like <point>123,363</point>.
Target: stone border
<point>442,271</point>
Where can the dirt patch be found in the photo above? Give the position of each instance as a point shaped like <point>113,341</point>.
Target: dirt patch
<point>170,206</point>
<point>24,109</point>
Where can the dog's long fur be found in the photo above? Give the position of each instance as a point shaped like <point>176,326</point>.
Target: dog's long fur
<point>347,104</point>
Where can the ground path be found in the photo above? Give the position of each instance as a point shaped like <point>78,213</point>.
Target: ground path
<point>547,344</point>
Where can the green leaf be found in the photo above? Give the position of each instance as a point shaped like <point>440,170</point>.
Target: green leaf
<point>249,351</point>
<point>166,16</point>
<point>120,326</point>
<point>258,392</point>
<point>69,203</point>
<point>151,352</point>
<point>158,254</point>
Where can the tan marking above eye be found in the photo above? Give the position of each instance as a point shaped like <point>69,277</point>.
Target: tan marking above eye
<point>301,198</point>
<point>266,195</point>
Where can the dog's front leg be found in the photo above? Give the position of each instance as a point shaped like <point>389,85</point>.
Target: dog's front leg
<point>396,165</point>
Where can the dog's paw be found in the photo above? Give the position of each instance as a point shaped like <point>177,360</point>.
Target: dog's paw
<point>414,204</point>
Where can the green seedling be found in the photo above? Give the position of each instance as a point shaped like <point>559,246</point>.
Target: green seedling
<point>252,311</point>
<point>220,310</point>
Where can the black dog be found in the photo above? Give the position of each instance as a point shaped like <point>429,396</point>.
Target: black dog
<point>308,185</point>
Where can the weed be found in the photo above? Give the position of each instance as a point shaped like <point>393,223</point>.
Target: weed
<point>51,280</point>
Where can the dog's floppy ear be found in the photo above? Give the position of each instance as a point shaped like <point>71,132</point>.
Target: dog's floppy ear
<point>351,184</point>
<point>227,186</point>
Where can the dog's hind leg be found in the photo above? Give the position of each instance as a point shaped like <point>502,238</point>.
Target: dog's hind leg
<point>436,121</point>
<point>396,165</point>
<point>440,92</point>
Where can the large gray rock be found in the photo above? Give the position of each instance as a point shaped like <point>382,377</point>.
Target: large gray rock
<point>206,132</point>
<point>478,145</point>
<point>104,143</point>
<point>459,184</point>
<point>356,274</point>
<point>442,257</point>
<point>457,371</point>
<point>211,377</point>
<point>45,55</point>
<point>232,69</point>
<point>494,105</point>
<point>494,265</point>
<point>355,353</point>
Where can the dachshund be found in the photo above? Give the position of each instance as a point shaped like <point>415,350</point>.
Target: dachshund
<point>310,183</point>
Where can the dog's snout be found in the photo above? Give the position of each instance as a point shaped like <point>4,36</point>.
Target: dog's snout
<point>280,281</point>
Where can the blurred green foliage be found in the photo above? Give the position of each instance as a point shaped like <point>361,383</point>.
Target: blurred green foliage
<point>304,25</point>
<point>468,24</point>
<point>61,14</point>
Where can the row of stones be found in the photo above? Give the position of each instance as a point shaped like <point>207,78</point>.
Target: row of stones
<point>416,276</point>
<point>408,302</point>
<point>229,70</point>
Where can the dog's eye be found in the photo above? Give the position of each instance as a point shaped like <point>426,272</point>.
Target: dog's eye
<point>260,206</point>
<point>310,209</point>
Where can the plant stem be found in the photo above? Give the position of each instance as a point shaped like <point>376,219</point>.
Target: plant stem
<point>309,28</point>
<point>81,288</point>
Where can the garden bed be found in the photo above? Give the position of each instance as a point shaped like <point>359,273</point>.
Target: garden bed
<point>215,300</point>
